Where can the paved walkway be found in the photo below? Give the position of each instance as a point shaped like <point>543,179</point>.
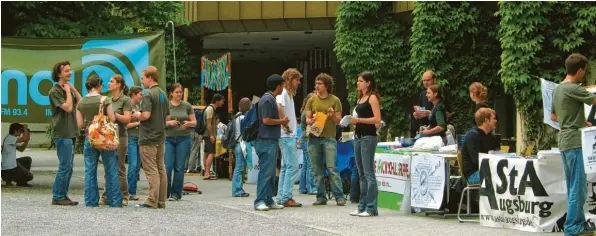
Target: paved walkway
<point>27,211</point>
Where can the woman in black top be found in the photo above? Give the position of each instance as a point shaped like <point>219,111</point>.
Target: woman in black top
<point>365,143</point>
<point>438,116</point>
<point>478,94</point>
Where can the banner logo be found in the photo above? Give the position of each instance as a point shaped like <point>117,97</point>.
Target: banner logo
<point>108,57</point>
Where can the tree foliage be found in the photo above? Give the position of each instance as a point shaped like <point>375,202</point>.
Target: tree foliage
<point>456,40</point>
<point>367,38</point>
<point>536,38</point>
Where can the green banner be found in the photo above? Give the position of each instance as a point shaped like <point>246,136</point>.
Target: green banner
<point>27,67</point>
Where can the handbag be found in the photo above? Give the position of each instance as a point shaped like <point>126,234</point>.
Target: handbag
<point>103,133</point>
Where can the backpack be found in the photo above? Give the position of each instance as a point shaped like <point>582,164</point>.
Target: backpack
<point>103,133</point>
<point>201,121</point>
<point>228,140</point>
<point>249,127</point>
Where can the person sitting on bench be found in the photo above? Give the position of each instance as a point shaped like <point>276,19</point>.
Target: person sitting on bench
<point>478,140</point>
<point>14,169</point>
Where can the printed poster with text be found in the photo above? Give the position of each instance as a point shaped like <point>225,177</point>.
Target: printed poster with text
<point>391,171</point>
<point>527,194</point>
<point>428,181</point>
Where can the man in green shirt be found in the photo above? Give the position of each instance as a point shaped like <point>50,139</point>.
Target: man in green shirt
<point>325,145</point>
<point>569,98</point>
<point>151,138</point>
<point>63,99</point>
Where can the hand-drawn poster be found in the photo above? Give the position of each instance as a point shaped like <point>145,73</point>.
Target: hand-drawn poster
<point>547,100</point>
<point>589,149</point>
<point>588,108</point>
<point>428,181</point>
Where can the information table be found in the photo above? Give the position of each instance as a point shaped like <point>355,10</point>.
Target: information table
<point>527,194</point>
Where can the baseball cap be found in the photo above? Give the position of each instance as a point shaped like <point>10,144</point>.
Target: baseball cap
<point>274,80</point>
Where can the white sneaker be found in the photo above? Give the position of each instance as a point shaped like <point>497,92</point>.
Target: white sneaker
<point>276,206</point>
<point>355,213</point>
<point>366,214</point>
<point>262,207</point>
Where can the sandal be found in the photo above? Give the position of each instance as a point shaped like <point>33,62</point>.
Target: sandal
<point>212,177</point>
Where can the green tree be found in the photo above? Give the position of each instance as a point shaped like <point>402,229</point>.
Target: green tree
<point>536,38</point>
<point>458,41</point>
<point>367,38</point>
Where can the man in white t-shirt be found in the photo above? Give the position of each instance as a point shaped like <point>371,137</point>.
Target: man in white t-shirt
<point>288,141</point>
<point>14,169</point>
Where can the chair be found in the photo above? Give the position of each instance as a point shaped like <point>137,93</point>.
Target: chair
<point>466,190</point>
<point>529,150</point>
<point>505,148</point>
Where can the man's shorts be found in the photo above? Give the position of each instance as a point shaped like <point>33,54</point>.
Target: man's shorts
<point>209,146</point>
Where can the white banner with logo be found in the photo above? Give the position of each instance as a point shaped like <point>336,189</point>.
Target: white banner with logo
<point>589,149</point>
<point>527,194</point>
<point>392,172</point>
<point>428,181</point>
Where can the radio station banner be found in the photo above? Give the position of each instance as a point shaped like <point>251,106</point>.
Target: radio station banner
<point>527,194</point>
<point>428,181</point>
<point>391,171</point>
<point>27,68</point>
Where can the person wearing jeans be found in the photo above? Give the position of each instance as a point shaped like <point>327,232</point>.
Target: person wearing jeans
<point>177,143</point>
<point>368,113</point>
<point>569,98</point>
<point>307,179</point>
<point>63,100</point>
<point>134,161</point>
<point>239,157</point>
<point>323,149</point>
<point>87,109</point>
<point>266,143</point>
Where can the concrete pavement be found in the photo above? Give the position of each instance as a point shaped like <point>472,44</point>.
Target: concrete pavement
<point>27,211</point>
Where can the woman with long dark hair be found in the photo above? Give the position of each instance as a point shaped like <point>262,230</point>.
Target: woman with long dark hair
<point>181,124</point>
<point>88,108</point>
<point>365,143</point>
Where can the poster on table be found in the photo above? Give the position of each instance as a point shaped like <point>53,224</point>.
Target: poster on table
<point>428,181</point>
<point>547,100</point>
<point>589,149</point>
<point>391,171</point>
<point>588,108</point>
<point>527,194</point>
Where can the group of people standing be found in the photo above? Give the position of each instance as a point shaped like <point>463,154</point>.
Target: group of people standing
<point>277,128</point>
<point>141,118</point>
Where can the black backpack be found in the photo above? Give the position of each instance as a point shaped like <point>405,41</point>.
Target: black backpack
<point>251,122</point>
<point>228,141</point>
<point>201,121</point>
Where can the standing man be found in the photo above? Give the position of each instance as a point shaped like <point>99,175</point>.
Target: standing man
<point>63,99</point>
<point>324,147</point>
<point>568,108</point>
<point>424,107</point>
<point>210,120</point>
<point>152,136</point>
<point>288,141</point>
<point>266,143</point>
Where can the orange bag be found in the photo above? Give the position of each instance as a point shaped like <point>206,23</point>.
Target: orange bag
<point>103,133</point>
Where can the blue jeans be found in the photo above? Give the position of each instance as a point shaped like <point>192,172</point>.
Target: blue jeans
<point>307,180</point>
<point>324,151</point>
<point>575,178</point>
<point>240,160</point>
<point>364,149</point>
<point>110,164</point>
<point>289,169</point>
<point>177,151</point>
<point>134,164</point>
<point>355,181</point>
<point>65,151</point>
<point>474,178</point>
<point>267,151</point>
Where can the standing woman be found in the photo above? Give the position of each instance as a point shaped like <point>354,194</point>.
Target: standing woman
<point>87,108</point>
<point>134,161</point>
<point>307,179</point>
<point>181,124</point>
<point>122,107</point>
<point>438,115</point>
<point>365,143</point>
